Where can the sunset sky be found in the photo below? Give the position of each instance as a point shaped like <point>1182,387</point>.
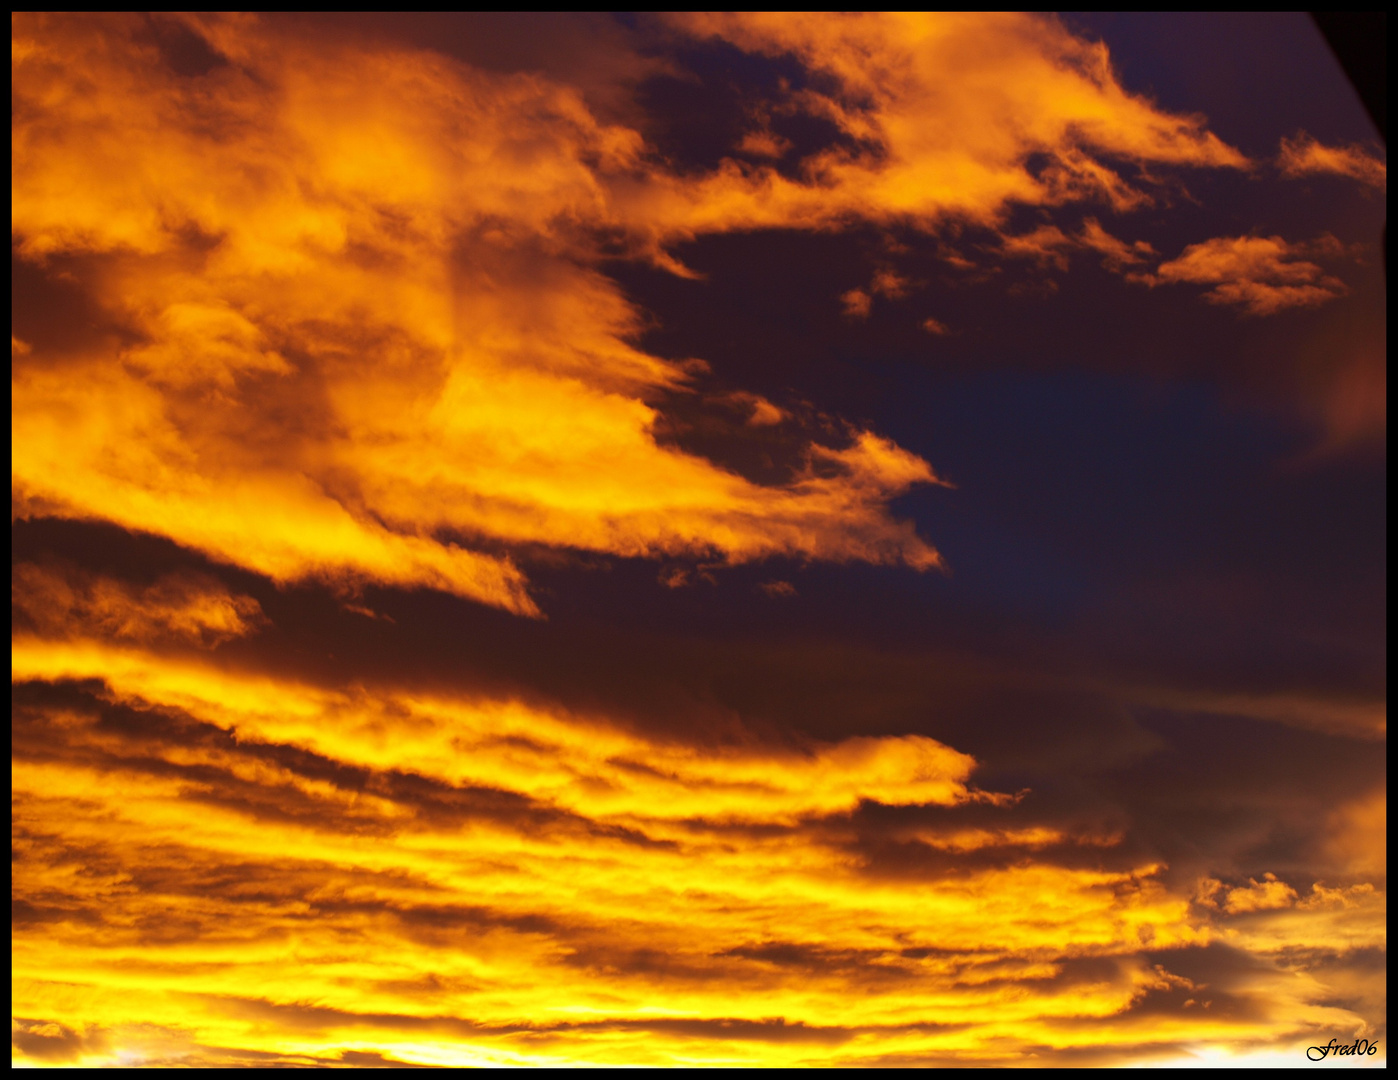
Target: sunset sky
<point>718,539</point>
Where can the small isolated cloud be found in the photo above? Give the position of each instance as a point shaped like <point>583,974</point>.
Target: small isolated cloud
<point>761,412</point>
<point>1261,895</point>
<point>1262,275</point>
<point>778,588</point>
<point>1304,156</point>
<point>1117,254</point>
<point>1046,245</point>
<point>764,144</point>
<point>890,283</point>
<point>887,283</point>
<point>674,577</point>
<point>932,326</point>
<point>857,303</point>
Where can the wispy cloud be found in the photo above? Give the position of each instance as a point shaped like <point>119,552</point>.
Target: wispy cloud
<point>1261,275</point>
<point>1305,156</point>
<point>945,112</point>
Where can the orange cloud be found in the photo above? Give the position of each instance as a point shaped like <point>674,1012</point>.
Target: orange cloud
<point>571,763</point>
<point>187,607</point>
<point>360,300</point>
<point>464,880</point>
<point>365,329</point>
<point>1049,246</point>
<point>604,843</point>
<point>1031,838</point>
<point>1259,895</point>
<point>1360,835</point>
<point>1350,717</point>
<point>1045,245</point>
<point>886,282</point>
<point>1304,156</point>
<point>764,144</point>
<point>858,303</point>
<point>1116,253</point>
<point>947,110</point>
<point>1262,275</point>
<point>890,284</point>
<point>761,412</point>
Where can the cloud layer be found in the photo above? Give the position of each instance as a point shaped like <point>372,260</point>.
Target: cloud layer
<point>467,880</point>
<point>479,881</point>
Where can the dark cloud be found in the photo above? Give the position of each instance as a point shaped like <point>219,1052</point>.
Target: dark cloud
<point>51,1042</point>
<point>366,1059</point>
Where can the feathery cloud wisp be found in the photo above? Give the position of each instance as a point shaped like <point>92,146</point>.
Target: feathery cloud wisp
<point>1262,275</point>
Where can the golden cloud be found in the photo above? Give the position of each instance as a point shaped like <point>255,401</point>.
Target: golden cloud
<point>1259,895</point>
<point>613,851</point>
<point>364,332</point>
<point>570,763</point>
<point>945,112</point>
<point>481,880</point>
<point>1262,275</point>
<point>359,300</point>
